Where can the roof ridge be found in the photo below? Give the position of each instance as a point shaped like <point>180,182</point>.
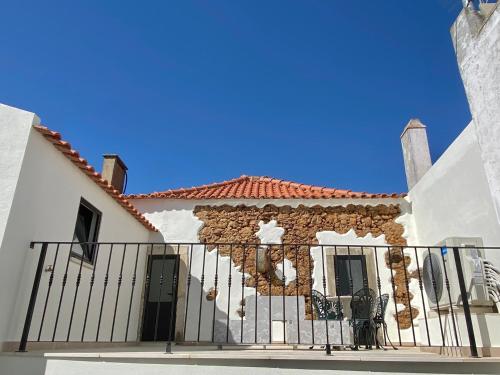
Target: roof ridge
<point>205,186</point>
<point>260,187</point>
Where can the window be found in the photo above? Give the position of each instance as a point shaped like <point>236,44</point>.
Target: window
<point>345,266</point>
<point>86,230</point>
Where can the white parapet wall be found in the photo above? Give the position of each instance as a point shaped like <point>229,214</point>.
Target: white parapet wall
<point>15,126</point>
<point>476,38</point>
<point>15,129</point>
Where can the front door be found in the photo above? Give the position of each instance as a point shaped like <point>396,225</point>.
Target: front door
<point>161,298</point>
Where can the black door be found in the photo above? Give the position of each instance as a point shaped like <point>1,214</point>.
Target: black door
<point>161,298</point>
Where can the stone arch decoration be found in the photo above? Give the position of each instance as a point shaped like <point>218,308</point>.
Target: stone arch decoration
<point>239,224</point>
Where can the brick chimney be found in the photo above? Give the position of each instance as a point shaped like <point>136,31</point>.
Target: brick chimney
<point>416,152</point>
<point>114,171</point>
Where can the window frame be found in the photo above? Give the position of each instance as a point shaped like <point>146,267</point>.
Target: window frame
<point>94,234</point>
<point>364,270</point>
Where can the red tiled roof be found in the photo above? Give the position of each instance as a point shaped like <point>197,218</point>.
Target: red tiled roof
<point>74,156</point>
<point>254,187</point>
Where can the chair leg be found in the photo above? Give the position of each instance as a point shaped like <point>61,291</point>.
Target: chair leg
<point>370,336</point>
<point>355,339</point>
<point>377,340</point>
<point>388,338</point>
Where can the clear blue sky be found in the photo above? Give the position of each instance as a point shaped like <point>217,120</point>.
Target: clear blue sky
<point>193,92</point>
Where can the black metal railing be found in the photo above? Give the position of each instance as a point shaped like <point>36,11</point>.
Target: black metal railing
<point>240,293</point>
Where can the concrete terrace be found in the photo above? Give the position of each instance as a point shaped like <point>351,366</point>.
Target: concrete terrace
<point>152,359</point>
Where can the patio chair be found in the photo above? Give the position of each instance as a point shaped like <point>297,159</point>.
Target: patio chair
<point>379,320</point>
<point>363,312</point>
<point>326,310</point>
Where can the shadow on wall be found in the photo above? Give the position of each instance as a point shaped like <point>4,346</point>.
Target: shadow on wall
<point>203,320</point>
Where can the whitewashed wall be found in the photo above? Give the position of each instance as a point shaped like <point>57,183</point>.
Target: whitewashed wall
<point>44,208</point>
<point>477,46</point>
<point>15,128</point>
<point>177,223</point>
<point>67,296</point>
<point>453,198</point>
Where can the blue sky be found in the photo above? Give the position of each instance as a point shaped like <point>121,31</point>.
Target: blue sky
<point>193,92</point>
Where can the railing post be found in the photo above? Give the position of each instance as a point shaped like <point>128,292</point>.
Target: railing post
<point>34,293</point>
<point>465,302</point>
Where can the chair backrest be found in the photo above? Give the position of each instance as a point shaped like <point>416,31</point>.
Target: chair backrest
<point>363,304</point>
<point>326,309</point>
<point>382,302</point>
<point>319,304</point>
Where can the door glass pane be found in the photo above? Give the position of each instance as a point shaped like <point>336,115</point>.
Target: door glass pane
<point>347,268</point>
<point>167,285</point>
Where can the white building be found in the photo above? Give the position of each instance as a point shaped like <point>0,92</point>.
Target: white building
<point>239,262</point>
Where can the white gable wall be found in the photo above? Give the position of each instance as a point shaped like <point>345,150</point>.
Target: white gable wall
<point>44,208</point>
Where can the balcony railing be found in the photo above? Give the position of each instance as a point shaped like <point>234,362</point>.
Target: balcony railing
<point>256,294</point>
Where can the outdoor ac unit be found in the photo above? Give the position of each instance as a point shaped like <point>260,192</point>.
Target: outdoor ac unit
<point>471,255</point>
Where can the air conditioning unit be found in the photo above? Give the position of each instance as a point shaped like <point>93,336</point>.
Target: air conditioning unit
<point>434,261</point>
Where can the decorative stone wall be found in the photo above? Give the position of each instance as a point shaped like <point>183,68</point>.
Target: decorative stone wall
<point>239,224</point>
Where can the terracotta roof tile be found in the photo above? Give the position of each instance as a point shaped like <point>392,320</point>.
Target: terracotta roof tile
<point>74,156</point>
<point>248,187</point>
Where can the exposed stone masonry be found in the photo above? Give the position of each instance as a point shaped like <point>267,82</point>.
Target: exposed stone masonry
<point>230,224</point>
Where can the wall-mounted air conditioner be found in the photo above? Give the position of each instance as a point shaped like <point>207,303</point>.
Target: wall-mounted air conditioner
<point>437,258</point>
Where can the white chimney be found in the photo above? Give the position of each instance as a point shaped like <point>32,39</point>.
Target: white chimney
<point>114,171</point>
<point>416,152</point>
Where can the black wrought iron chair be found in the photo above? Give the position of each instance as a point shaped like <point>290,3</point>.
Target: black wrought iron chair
<point>326,310</point>
<point>363,313</point>
<point>379,320</point>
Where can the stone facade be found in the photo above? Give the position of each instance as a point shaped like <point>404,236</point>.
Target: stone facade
<point>239,225</point>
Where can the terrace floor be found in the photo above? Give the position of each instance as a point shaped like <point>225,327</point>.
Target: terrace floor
<point>273,360</point>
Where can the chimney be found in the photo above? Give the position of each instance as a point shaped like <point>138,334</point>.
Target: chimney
<point>114,171</point>
<point>416,153</point>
